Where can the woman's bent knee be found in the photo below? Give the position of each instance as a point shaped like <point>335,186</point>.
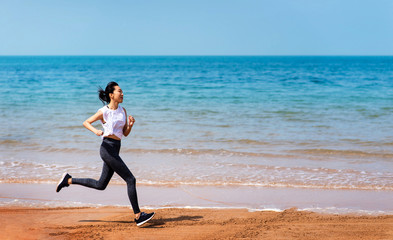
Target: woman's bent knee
<point>131,180</point>
<point>101,187</point>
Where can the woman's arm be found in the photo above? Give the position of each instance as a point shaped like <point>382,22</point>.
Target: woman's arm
<point>128,126</point>
<point>90,120</point>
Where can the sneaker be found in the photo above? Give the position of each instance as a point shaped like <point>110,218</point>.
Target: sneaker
<point>63,182</point>
<point>144,218</point>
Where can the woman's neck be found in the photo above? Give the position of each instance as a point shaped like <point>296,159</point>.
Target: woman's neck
<point>113,105</point>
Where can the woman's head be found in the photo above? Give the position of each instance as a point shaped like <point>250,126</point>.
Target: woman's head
<point>112,92</point>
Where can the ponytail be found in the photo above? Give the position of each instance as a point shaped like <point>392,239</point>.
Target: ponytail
<point>104,95</point>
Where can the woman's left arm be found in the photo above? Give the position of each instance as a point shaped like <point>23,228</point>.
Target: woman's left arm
<point>128,126</point>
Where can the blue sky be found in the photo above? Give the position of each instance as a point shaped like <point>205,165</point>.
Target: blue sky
<point>197,27</point>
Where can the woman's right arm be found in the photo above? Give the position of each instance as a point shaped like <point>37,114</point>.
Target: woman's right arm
<point>90,120</point>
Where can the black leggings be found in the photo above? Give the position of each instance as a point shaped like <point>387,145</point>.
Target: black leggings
<point>109,152</point>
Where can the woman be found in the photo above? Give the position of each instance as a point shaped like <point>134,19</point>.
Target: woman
<point>114,121</point>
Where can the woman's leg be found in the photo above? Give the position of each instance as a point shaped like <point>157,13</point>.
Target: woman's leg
<point>101,184</point>
<point>110,154</point>
<point>121,168</point>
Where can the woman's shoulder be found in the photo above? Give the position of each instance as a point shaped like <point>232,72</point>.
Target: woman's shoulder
<point>123,109</point>
<point>103,109</point>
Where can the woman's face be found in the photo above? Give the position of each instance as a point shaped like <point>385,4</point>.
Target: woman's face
<point>117,95</point>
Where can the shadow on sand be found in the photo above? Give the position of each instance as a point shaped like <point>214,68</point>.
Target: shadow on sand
<point>154,223</point>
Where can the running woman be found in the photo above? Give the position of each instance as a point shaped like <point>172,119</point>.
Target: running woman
<point>114,121</point>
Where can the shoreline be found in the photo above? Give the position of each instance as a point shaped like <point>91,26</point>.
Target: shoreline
<point>117,223</point>
<point>359,202</point>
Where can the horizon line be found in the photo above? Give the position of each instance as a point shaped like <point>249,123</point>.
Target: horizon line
<point>183,55</point>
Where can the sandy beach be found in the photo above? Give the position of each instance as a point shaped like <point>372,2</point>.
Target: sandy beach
<point>181,223</point>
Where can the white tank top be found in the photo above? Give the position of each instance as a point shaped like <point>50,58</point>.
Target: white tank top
<point>114,121</point>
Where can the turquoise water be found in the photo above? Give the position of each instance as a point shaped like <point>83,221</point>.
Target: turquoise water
<point>315,122</point>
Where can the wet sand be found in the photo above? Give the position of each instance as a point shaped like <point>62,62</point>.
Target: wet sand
<point>316,200</point>
<point>182,223</point>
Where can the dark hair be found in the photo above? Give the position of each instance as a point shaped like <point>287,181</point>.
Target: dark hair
<point>104,95</point>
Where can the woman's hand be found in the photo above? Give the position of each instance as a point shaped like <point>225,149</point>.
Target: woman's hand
<point>99,133</point>
<point>131,121</point>
<point>128,126</point>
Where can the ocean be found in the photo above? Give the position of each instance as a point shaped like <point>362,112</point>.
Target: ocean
<point>297,122</point>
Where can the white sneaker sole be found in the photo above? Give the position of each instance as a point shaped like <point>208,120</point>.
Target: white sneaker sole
<point>141,223</point>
